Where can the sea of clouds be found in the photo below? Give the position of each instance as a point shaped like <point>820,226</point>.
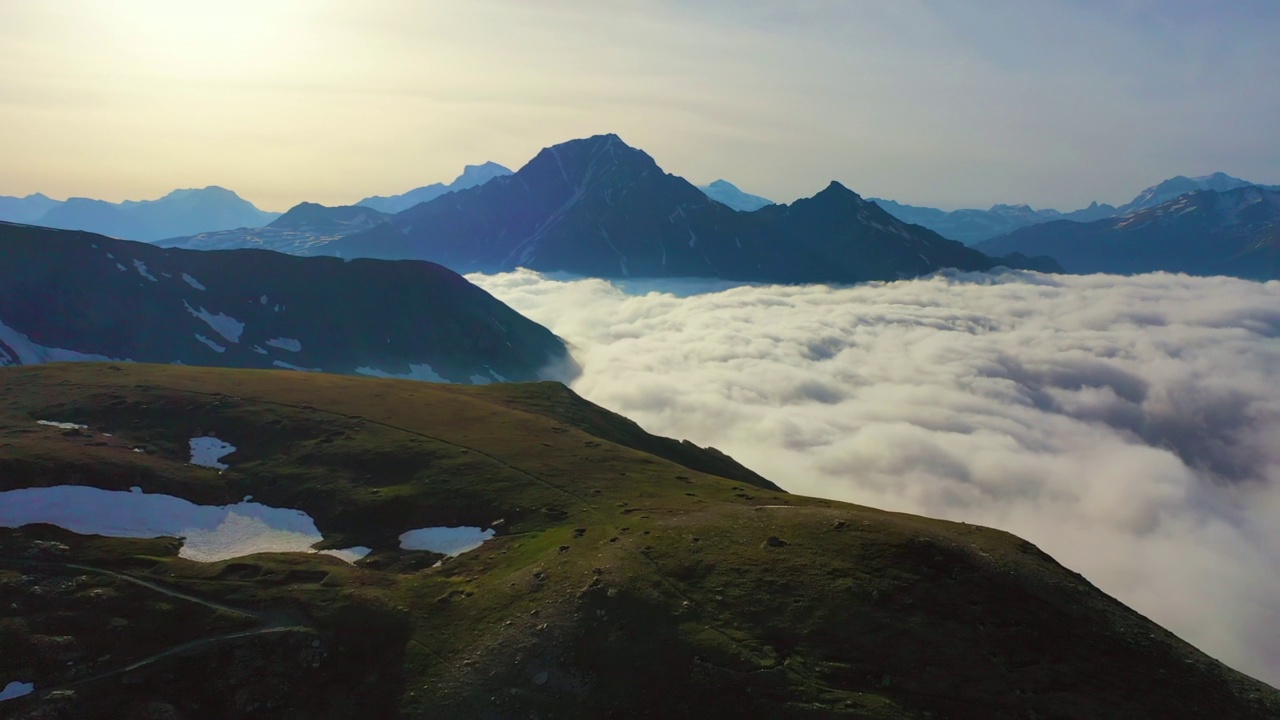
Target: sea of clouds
<point>1129,426</point>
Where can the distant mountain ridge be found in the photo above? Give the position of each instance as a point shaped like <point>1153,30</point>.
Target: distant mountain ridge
<point>973,226</point>
<point>27,209</point>
<point>1206,232</point>
<point>181,212</point>
<point>1180,185</point>
<point>600,207</point>
<point>726,193</point>
<point>472,175</point>
<point>301,231</point>
<point>68,295</point>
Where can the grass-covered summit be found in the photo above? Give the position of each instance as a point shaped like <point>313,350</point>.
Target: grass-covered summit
<point>629,575</point>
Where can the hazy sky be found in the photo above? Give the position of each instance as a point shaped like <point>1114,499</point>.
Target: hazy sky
<point>945,102</point>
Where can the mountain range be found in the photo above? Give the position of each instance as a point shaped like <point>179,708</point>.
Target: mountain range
<point>301,231</point>
<point>181,212</point>
<point>182,542</point>
<point>599,207</point>
<point>67,295</point>
<point>27,209</point>
<point>973,226</point>
<point>472,175</point>
<point>216,218</point>
<point>1206,232</point>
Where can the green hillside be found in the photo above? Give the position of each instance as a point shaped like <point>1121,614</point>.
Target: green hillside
<point>630,576</point>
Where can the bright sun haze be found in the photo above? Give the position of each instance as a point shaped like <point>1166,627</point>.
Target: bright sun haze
<point>1047,102</point>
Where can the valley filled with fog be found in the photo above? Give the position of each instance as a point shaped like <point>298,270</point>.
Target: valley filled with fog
<point>1129,426</point>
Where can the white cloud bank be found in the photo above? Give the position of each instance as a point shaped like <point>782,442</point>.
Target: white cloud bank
<point>1128,426</point>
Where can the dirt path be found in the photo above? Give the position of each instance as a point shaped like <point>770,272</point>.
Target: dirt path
<point>270,622</point>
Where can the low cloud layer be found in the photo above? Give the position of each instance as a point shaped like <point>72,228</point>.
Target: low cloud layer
<point>1128,426</point>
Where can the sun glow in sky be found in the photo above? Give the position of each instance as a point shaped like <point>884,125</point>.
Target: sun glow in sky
<point>952,103</point>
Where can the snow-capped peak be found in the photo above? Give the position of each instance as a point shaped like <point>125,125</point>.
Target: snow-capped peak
<point>726,193</point>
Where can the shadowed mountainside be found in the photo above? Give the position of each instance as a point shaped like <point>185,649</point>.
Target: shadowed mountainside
<point>68,295</point>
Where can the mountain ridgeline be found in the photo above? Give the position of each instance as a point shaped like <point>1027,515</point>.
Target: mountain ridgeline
<point>1234,232</point>
<point>68,295</point>
<point>601,208</point>
<point>181,212</point>
<point>972,226</point>
<point>472,175</point>
<point>301,231</point>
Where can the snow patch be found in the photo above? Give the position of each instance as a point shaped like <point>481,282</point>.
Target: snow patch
<point>32,353</point>
<point>121,268</point>
<point>16,689</point>
<point>259,350</point>
<point>192,282</point>
<point>421,372</point>
<point>478,379</point>
<point>262,300</point>
<point>212,345</point>
<point>210,533</point>
<point>449,541</point>
<point>285,343</point>
<point>225,325</point>
<point>62,425</point>
<point>291,366</point>
<point>141,267</point>
<point>206,451</point>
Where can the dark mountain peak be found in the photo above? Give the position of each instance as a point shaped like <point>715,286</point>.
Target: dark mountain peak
<point>835,189</point>
<point>834,193</point>
<point>591,166</point>
<point>309,214</point>
<point>302,208</point>
<point>608,147</point>
<point>596,206</point>
<point>603,138</point>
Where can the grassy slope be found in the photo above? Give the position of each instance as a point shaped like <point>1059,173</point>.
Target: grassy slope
<point>621,583</point>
